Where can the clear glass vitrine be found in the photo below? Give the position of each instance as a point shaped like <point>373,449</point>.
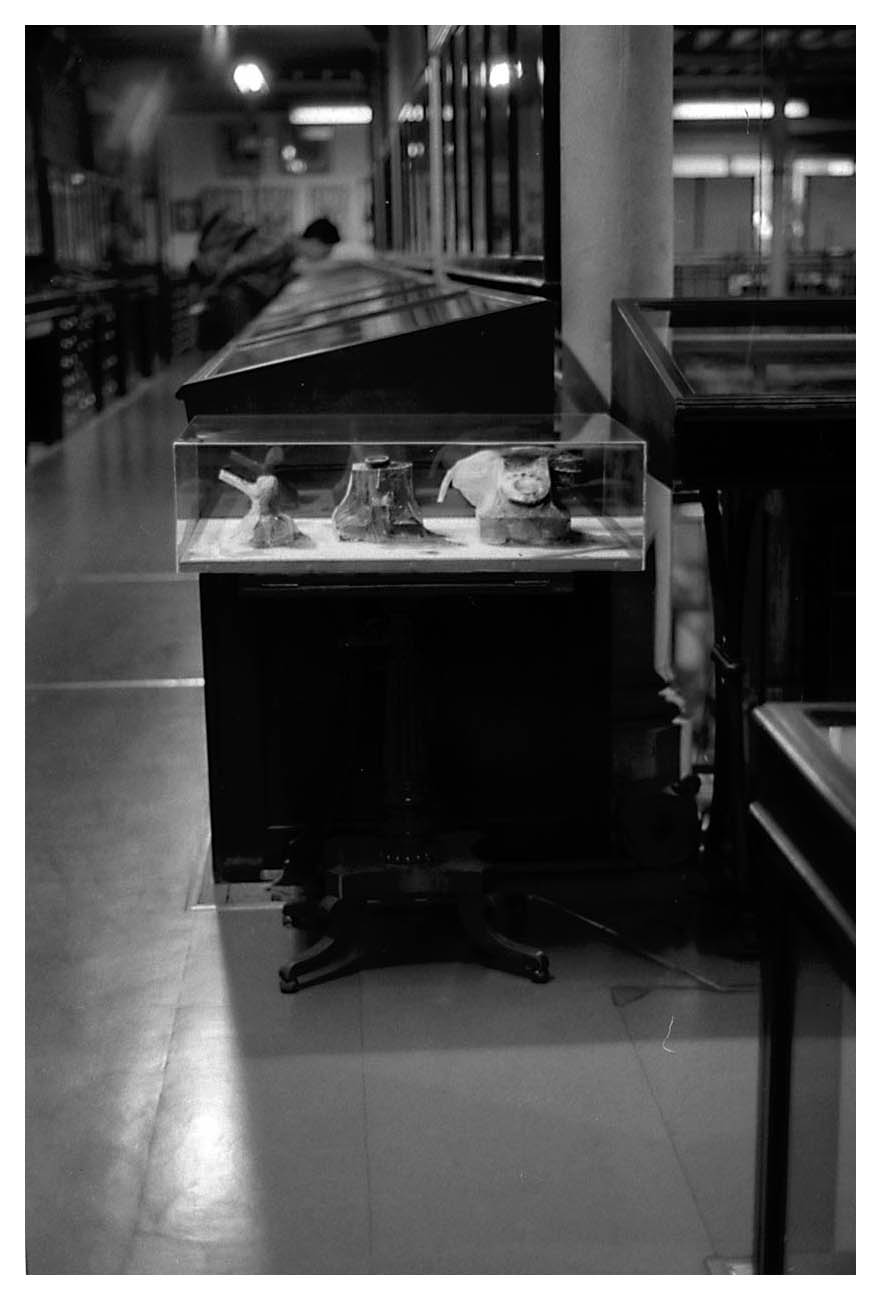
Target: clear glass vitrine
<point>409,493</point>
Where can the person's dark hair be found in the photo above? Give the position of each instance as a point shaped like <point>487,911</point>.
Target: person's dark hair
<point>324,230</point>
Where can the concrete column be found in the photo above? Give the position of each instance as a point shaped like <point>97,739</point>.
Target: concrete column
<point>778,271</point>
<point>616,171</point>
<point>616,163</point>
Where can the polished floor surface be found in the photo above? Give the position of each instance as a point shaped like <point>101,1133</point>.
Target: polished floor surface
<point>185,1117</point>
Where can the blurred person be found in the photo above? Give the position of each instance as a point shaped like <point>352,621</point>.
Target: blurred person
<point>242,268</point>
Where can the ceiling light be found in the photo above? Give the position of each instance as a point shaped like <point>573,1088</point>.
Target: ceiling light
<point>500,74</point>
<point>686,166</point>
<point>749,165</point>
<point>824,166</point>
<point>734,110</point>
<point>722,110</point>
<point>249,79</point>
<point>331,115</point>
<point>795,108</point>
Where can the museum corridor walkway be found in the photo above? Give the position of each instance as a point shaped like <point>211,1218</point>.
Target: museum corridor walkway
<point>185,1117</point>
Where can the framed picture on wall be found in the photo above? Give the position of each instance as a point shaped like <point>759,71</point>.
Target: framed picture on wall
<point>241,146</point>
<point>186,216</point>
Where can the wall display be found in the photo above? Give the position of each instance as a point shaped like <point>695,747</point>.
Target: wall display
<point>387,493</point>
<point>242,146</point>
<point>499,90</point>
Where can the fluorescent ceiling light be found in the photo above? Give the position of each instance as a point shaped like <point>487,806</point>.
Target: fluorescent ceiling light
<point>722,110</point>
<point>249,78</point>
<point>795,108</point>
<point>734,110</point>
<point>744,164</point>
<point>824,166</point>
<point>331,115</point>
<point>715,165</point>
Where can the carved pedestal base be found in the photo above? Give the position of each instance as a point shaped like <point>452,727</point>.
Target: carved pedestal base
<point>347,937</point>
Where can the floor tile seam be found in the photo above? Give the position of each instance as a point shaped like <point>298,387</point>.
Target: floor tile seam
<point>98,578</point>
<point>151,1143</point>
<point>365,1118</point>
<point>670,1137</point>
<point>118,684</point>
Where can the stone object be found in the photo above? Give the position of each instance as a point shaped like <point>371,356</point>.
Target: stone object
<point>379,505</point>
<point>513,491</point>
<point>265,524</point>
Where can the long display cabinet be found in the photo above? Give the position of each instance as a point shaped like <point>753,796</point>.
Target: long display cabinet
<point>366,336</point>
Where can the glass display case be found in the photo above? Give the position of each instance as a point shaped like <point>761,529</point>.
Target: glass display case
<point>451,348</point>
<point>750,406</point>
<point>336,330</point>
<point>335,284</point>
<point>803,841</point>
<point>500,126</point>
<point>734,391</point>
<point>402,494</point>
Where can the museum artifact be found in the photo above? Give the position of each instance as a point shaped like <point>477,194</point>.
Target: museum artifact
<point>379,505</point>
<point>272,463</point>
<point>514,493</point>
<point>265,524</point>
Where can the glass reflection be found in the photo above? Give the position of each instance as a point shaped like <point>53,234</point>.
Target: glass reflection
<point>527,106</point>
<point>500,74</point>
<point>477,79</point>
<point>462,156</point>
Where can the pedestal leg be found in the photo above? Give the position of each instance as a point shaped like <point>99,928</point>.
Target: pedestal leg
<point>335,953</point>
<point>521,958</point>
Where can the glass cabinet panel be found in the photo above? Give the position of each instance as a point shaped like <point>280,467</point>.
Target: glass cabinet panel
<point>500,74</point>
<point>461,123</point>
<point>527,107</point>
<point>448,145</point>
<point>477,74</point>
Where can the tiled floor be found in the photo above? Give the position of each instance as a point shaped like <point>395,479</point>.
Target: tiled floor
<point>185,1117</point>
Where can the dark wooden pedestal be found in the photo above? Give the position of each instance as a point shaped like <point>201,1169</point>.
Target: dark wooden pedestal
<point>349,934</point>
<point>417,743</point>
